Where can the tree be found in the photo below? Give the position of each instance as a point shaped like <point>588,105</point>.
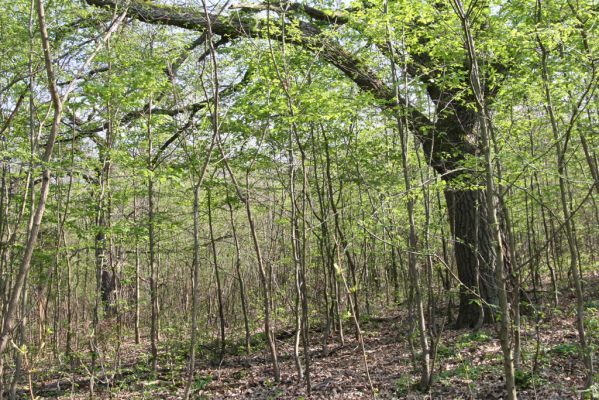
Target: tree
<point>448,141</point>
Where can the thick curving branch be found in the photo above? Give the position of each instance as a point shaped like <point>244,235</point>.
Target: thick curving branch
<point>238,26</point>
<point>444,141</point>
<point>328,16</point>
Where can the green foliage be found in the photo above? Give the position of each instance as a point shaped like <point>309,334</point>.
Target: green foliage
<point>444,351</point>
<point>200,382</point>
<point>472,340</point>
<point>467,370</point>
<point>404,385</point>
<point>592,392</point>
<point>476,337</point>
<point>524,379</point>
<point>566,349</point>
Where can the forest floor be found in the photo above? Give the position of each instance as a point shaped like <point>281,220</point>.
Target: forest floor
<point>468,366</point>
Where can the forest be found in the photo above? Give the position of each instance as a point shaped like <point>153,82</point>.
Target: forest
<point>271,199</point>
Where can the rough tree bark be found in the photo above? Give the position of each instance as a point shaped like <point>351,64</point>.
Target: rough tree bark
<point>473,245</point>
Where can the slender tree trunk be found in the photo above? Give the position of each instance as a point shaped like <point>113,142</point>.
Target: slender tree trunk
<point>566,211</point>
<point>496,263</point>
<point>57,104</point>
<point>303,271</point>
<point>242,293</point>
<point>328,272</point>
<point>195,288</point>
<point>265,286</point>
<point>425,373</point>
<point>198,185</point>
<point>152,249</point>
<point>69,339</point>
<point>137,272</point>
<point>339,230</point>
<point>221,312</point>
<point>296,264</point>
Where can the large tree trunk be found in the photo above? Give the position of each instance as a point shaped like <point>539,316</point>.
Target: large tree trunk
<point>473,247</point>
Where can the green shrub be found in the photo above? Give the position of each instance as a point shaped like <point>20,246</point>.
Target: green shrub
<point>565,349</point>
<point>523,379</point>
<point>444,351</point>
<point>403,385</point>
<point>201,382</point>
<point>479,337</point>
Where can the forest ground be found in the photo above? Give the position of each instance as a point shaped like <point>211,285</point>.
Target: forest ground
<point>468,366</point>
